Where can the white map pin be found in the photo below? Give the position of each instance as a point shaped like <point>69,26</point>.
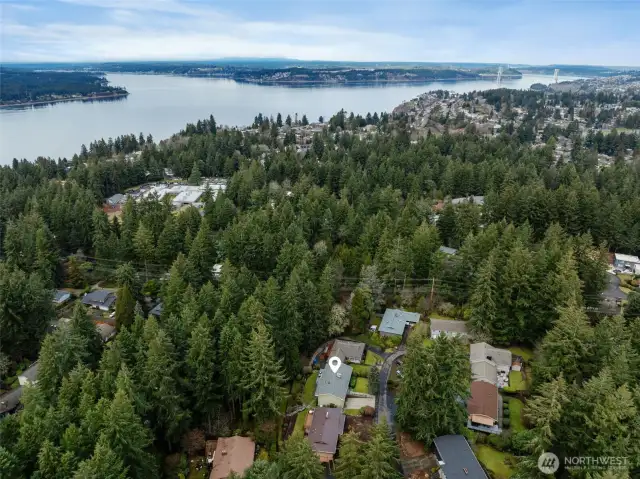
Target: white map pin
<point>335,363</point>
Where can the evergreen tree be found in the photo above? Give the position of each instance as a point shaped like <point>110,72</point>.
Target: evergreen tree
<point>125,304</point>
<point>566,349</point>
<point>201,257</point>
<point>104,464</point>
<point>145,248</point>
<point>350,462</point>
<point>202,366</point>
<point>127,437</point>
<point>381,455</point>
<point>263,376</point>
<point>436,378</point>
<point>484,309</point>
<point>298,460</point>
<point>161,388</point>
<point>195,178</point>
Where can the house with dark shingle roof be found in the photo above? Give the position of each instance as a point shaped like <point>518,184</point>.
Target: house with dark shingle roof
<point>323,428</point>
<point>101,299</point>
<point>456,458</point>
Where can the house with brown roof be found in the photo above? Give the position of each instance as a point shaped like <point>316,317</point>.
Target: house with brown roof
<point>484,408</point>
<point>323,426</point>
<point>233,454</point>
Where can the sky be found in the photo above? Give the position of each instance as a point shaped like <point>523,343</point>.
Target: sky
<point>537,32</point>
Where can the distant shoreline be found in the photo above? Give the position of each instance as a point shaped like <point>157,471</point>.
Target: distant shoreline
<point>60,100</point>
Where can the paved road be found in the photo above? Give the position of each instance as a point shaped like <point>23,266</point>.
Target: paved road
<point>386,407</point>
<point>613,288</point>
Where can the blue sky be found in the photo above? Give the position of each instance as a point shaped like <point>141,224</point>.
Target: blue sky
<point>602,32</point>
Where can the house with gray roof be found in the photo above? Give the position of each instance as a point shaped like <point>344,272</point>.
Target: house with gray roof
<point>116,199</point>
<point>101,299</point>
<point>482,351</point>
<point>106,331</point>
<point>448,251</point>
<point>490,364</point>
<point>394,322</point>
<point>350,351</point>
<point>450,327</point>
<point>156,310</point>
<point>332,388</point>
<point>476,200</point>
<point>456,459</point>
<point>60,297</point>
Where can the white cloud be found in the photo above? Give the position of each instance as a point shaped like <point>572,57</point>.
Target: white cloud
<point>181,29</point>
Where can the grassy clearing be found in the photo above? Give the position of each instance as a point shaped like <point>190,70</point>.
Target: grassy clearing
<point>515,415</point>
<point>310,388</point>
<point>372,359</point>
<point>300,418</point>
<point>516,382</point>
<point>362,386</point>
<point>494,461</point>
<point>526,353</point>
<point>360,370</point>
<point>352,412</point>
<point>625,290</point>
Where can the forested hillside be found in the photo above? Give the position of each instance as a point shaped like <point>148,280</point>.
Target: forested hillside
<point>19,86</point>
<point>353,222</point>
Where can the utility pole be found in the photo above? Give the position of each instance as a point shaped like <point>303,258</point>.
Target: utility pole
<point>433,287</point>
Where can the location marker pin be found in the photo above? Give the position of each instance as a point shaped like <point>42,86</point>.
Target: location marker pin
<point>335,363</point>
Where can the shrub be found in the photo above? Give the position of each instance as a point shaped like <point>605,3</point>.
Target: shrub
<point>500,443</point>
<point>352,381</point>
<point>506,422</point>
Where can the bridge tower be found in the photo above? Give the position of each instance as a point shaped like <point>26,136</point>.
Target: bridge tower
<point>555,75</point>
<point>499,75</point>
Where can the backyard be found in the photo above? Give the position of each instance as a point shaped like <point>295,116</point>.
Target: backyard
<point>495,461</point>
<point>308,395</point>
<point>362,386</point>
<point>515,415</point>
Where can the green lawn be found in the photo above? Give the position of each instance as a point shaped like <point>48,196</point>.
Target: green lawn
<point>360,370</point>
<point>375,320</point>
<point>526,353</point>
<point>516,382</point>
<point>372,358</point>
<point>310,388</point>
<point>352,412</point>
<point>362,386</point>
<point>625,290</point>
<point>494,461</point>
<point>300,418</point>
<point>515,415</point>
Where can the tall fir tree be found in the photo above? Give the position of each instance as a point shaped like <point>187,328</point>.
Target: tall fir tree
<point>263,375</point>
<point>436,378</point>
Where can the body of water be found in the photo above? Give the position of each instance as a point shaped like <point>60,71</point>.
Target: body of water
<point>162,105</point>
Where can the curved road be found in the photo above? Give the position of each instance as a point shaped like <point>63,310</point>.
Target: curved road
<point>384,399</point>
<point>613,288</point>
